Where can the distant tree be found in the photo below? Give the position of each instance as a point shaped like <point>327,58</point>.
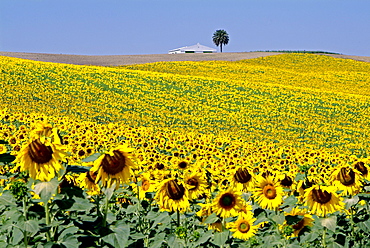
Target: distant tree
<point>220,37</point>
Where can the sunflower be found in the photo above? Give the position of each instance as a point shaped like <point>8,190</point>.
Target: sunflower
<point>196,184</point>
<point>87,181</point>
<point>3,149</point>
<point>228,203</point>
<point>347,180</point>
<point>323,200</point>
<point>268,193</point>
<point>304,220</point>
<point>242,178</point>
<point>287,181</point>
<point>172,196</point>
<point>243,227</point>
<point>363,168</point>
<point>147,185</point>
<point>41,158</point>
<point>114,166</point>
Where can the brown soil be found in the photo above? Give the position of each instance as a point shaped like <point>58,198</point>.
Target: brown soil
<point>116,60</point>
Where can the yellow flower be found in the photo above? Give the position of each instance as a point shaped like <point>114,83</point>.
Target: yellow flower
<point>172,196</point>
<point>3,149</point>
<point>147,185</point>
<point>228,203</point>
<point>323,200</point>
<point>114,166</point>
<point>242,179</point>
<point>347,180</point>
<point>306,220</point>
<point>41,158</point>
<point>87,181</point>
<point>243,227</point>
<point>267,193</point>
<point>196,184</point>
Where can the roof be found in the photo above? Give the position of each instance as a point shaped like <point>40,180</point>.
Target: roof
<point>197,47</point>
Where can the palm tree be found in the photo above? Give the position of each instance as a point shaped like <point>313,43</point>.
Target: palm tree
<point>220,37</point>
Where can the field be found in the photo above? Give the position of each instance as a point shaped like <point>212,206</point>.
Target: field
<point>263,152</point>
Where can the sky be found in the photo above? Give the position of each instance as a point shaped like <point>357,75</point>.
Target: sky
<point>128,27</point>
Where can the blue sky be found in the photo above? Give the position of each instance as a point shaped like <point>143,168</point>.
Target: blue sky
<point>107,27</point>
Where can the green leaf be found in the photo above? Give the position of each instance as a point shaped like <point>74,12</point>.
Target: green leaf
<point>174,242</point>
<point>204,237</point>
<point>91,158</point>
<point>81,204</point>
<point>70,241</point>
<point>77,169</point>
<point>3,142</point>
<point>68,231</point>
<point>7,199</point>
<point>158,240</point>
<point>31,226</point>
<point>137,236</point>
<point>211,219</point>
<point>163,218</point>
<point>290,201</point>
<point>108,192</point>
<point>131,209</point>
<point>365,226</point>
<point>351,201</point>
<point>7,157</point>
<point>119,236</point>
<point>330,222</point>
<point>47,189</point>
<point>278,218</point>
<point>220,238</point>
<point>292,220</point>
<point>17,236</point>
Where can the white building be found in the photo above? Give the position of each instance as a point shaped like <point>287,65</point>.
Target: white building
<point>198,48</point>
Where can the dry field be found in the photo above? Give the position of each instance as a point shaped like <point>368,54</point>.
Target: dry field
<point>115,60</point>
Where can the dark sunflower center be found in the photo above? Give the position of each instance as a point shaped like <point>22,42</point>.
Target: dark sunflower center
<point>174,190</point>
<point>39,152</point>
<point>159,166</point>
<point>269,191</point>
<point>346,176</point>
<point>183,165</point>
<point>320,196</point>
<point>113,164</point>
<point>287,181</point>
<point>244,227</point>
<point>242,175</point>
<point>360,166</point>
<point>227,201</point>
<point>192,182</point>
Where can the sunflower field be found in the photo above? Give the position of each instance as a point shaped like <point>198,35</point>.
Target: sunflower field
<point>266,152</point>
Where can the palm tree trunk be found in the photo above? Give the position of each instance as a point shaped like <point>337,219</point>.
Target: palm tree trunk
<point>221,47</point>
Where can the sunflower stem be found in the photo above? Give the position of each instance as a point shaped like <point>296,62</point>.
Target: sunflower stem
<point>352,225</point>
<point>47,220</point>
<point>105,211</point>
<point>138,207</point>
<point>24,203</point>
<point>324,237</point>
<point>178,218</point>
